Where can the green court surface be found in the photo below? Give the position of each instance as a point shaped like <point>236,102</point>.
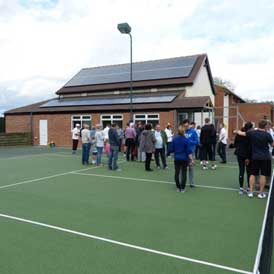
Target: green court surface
<point>57,216</point>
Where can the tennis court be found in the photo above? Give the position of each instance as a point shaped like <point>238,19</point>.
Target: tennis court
<point>57,216</point>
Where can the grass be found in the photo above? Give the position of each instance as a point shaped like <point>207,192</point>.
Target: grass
<point>208,224</point>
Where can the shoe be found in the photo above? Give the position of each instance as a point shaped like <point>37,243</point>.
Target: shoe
<point>150,169</point>
<point>166,167</point>
<point>178,190</point>
<point>205,167</point>
<point>192,186</point>
<point>158,167</point>
<point>183,190</point>
<point>213,167</point>
<point>261,195</point>
<point>241,191</point>
<point>201,163</point>
<point>250,194</point>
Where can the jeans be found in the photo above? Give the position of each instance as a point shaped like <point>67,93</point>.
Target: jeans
<point>168,148</point>
<point>242,168</point>
<point>222,151</point>
<point>148,160</point>
<point>99,156</point>
<point>180,172</point>
<point>85,153</point>
<point>161,152</point>
<point>191,173</point>
<point>130,143</point>
<point>113,157</point>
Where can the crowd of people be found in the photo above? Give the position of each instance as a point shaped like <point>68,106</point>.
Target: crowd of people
<point>138,142</point>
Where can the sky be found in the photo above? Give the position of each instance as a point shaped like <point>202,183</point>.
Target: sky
<point>43,43</point>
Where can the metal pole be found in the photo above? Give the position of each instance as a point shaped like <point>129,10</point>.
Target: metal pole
<point>131,105</point>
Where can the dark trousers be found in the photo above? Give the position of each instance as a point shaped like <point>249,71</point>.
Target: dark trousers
<point>168,148</point>
<point>74,145</point>
<point>130,143</point>
<point>148,160</point>
<point>113,157</point>
<point>207,152</point>
<point>85,153</point>
<point>222,151</point>
<point>160,152</point>
<point>197,152</point>
<point>242,168</point>
<point>180,172</point>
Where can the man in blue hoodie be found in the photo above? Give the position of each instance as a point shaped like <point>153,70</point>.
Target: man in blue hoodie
<point>192,136</point>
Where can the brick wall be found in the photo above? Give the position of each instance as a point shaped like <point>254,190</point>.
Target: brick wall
<point>18,123</point>
<point>59,125</point>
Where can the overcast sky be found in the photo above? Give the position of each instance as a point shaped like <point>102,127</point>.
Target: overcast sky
<point>43,43</point>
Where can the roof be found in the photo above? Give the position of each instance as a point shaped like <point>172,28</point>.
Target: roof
<point>74,105</point>
<point>163,72</point>
<point>225,89</point>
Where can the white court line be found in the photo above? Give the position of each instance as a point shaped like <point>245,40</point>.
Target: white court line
<point>148,180</point>
<point>260,244</point>
<point>51,176</point>
<point>149,250</point>
<point>24,156</point>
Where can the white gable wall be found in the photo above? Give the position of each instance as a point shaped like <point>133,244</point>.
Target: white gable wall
<point>201,86</point>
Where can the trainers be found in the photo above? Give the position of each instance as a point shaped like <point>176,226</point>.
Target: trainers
<point>241,191</point>
<point>213,167</point>
<point>158,167</point>
<point>183,190</point>
<point>261,195</point>
<point>250,194</point>
<point>205,167</point>
<point>166,167</point>
<point>178,190</point>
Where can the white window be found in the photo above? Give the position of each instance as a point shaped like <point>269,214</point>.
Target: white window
<point>80,119</point>
<point>152,118</point>
<point>112,118</point>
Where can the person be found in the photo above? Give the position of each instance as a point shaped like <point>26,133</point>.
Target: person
<point>260,140</point>
<point>207,139</point>
<point>130,135</point>
<point>85,134</point>
<point>243,153</point>
<point>121,136</point>
<point>160,144</point>
<point>99,138</point>
<point>141,156</point>
<point>114,143</point>
<point>93,148</point>
<point>106,129</point>
<point>222,143</point>
<point>169,134</point>
<point>270,130</point>
<point>192,136</point>
<point>198,148</point>
<point>182,150</point>
<point>75,138</point>
<point>147,145</point>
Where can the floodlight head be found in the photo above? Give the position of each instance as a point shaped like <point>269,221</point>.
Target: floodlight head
<point>124,28</point>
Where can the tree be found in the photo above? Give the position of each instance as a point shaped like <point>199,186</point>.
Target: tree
<point>225,83</point>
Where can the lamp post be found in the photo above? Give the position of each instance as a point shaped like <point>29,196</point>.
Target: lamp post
<point>125,28</point>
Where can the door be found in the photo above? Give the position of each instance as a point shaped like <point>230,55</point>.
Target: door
<point>43,129</point>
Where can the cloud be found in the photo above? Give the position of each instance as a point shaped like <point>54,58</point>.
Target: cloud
<point>44,43</point>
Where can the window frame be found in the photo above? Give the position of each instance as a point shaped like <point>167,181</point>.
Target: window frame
<point>146,117</point>
<point>81,120</point>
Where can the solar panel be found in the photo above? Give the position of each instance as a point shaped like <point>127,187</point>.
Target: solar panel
<point>108,101</point>
<point>150,70</point>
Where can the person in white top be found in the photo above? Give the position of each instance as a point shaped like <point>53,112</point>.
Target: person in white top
<point>106,130</point>
<point>85,144</point>
<point>270,130</point>
<point>75,138</point>
<point>99,139</point>
<point>169,135</point>
<point>222,143</point>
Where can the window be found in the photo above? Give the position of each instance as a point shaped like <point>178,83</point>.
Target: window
<point>112,118</point>
<point>147,118</point>
<point>80,119</point>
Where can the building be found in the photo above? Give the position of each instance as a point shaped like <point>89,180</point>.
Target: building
<point>234,111</point>
<point>167,90</point>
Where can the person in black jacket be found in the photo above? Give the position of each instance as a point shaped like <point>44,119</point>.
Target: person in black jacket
<point>207,143</point>
<point>243,153</point>
<point>114,142</point>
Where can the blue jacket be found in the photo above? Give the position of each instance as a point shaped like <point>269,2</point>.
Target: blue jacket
<point>192,136</point>
<point>181,148</point>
